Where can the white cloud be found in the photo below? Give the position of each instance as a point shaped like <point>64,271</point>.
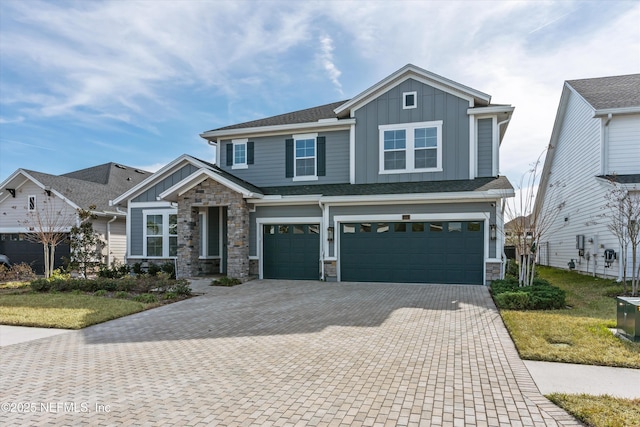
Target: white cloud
<point>326,59</point>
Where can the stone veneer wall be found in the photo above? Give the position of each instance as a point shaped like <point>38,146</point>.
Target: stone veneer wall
<point>493,272</point>
<point>212,193</point>
<point>330,271</point>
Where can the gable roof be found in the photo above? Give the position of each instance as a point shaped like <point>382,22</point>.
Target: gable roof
<point>91,186</point>
<point>608,94</point>
<point>337,114</point>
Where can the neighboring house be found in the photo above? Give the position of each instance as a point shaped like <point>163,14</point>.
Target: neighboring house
<point>596,138</point>
<point>28,193</point>
<point>517,233</point>
<point>399,184</point>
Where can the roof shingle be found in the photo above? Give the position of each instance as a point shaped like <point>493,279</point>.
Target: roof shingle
<point>609,92</point>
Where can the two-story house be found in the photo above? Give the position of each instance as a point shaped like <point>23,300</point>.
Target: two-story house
<point>595,139</point>
<point>32,201</point>
<point>398,184</point>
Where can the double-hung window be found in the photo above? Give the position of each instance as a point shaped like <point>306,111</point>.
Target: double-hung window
<point>161,233</point>
<point>239,153</point>
<point>305,157</point>
<point>411,147</point>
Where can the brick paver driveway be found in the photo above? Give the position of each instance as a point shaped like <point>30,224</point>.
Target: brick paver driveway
<point>284,353</point>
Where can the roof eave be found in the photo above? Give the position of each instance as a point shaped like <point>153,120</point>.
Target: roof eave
<point>172,193</point>
<point>616,111</point>
<point>215,135</point>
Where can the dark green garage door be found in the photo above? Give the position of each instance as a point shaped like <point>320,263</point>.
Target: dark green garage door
<point>413,252</point>
<point>291,251</point>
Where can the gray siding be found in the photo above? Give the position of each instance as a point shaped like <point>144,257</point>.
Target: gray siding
<point>433,104</point>
<point>277,212</point>
<point>137,229</point>
<point>414,209</point>
<point>213,231</point>
<point>485,147</point>
<point>151,195</point>
<point>269,161</point>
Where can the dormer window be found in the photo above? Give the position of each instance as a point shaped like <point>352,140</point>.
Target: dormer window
<point>409,100</point>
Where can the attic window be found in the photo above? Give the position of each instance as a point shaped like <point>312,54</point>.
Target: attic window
<point>409,100</point>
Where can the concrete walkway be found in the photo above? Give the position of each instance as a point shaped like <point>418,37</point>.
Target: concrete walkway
<point>284,353</point>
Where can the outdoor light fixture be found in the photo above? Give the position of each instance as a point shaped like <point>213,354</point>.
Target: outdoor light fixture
<point>330,234</point>
<point>492,232</point>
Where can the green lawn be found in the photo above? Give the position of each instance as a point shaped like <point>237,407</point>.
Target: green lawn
<point>600,411</point>
<point>63,310</point>
<point>578,334</point>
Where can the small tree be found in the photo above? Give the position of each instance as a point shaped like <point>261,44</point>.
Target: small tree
<point>86,244</point>
<point>48,226</point>
<point>529,221</point>
<point>623,215</point>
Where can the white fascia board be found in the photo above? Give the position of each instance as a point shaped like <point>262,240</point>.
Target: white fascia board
<point>200,175</point>
<point>616,111</point>
<point>416,73</point>
<point>253,132</point>
<point>494,109</point>
<point>158,175</point>
<point>15,230</point>
<point>311,199</point>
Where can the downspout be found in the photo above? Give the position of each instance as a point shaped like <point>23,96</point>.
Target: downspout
<point>109,240</point>
<point>504,256</point>
<point>322,238</point>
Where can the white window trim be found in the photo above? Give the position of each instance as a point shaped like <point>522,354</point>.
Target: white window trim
<point>404,100</point>
<point>410,146</point>
<point>165,231</point>
<point>35,200</point>
<point>237,143</point>
<point>314,177</point>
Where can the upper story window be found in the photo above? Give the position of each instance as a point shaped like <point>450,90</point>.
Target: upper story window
<point>161,233</point>
<point>31,204</point>
<point>409,100</point>
<point>411,147</point>
<point>305,157</point>
<point>240,153</point>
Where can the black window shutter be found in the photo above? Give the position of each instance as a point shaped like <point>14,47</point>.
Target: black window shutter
<point>229,154</point>
<point>288,158</point>
<point>250,152</point>
<point>322,156</point>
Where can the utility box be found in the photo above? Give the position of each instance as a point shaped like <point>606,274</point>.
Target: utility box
<point>629,317</point>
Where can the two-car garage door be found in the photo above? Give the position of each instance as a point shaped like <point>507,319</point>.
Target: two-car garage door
<point>403,252</point>
<point>413,252</point>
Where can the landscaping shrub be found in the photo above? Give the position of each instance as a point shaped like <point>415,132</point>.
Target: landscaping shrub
<point>116,271</point>
<point>16,273</point>
<point>181,287</point>
<point>145,298</point>
<point>170,269</point>
<point>226,281</point>
<point>541,295</point>
<point>40,285</point>
<point>122,295</point>
<point>137,268</point>
<point>100,292</point>
<point>509,300</point>
<point>153,269</point>
<point>170,295</point>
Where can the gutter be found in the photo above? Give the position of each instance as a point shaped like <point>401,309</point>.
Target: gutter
<point>108,236</point>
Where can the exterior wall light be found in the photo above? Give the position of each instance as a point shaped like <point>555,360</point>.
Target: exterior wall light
<point>492,232</point>
<point>330,234</point>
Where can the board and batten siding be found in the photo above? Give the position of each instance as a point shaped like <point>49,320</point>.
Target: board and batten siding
<point>432,104</point>
<point>575,188</point>
<point>268,169</point>
<point>624,145</point>
<point>137,229</point>
<point>151,195</point>
<point>485,147</point>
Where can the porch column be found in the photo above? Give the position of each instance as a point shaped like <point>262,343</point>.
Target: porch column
<point>188,240</point>
<point>238,239</point>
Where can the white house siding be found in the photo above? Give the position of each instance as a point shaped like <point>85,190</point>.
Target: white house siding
<point>624,145</point>
<point>576,164</point>
<point>14,210</point>
<point>118,242</point>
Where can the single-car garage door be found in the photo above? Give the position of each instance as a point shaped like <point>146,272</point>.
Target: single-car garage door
<point>19,249</point>
<point>413,252</point>
<point>291,251</point>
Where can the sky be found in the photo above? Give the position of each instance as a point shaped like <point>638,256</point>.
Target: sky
<point>135,82</point>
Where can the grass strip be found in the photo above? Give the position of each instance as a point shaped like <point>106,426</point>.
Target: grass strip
<point>64,310</point>
<point>600,411</point>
